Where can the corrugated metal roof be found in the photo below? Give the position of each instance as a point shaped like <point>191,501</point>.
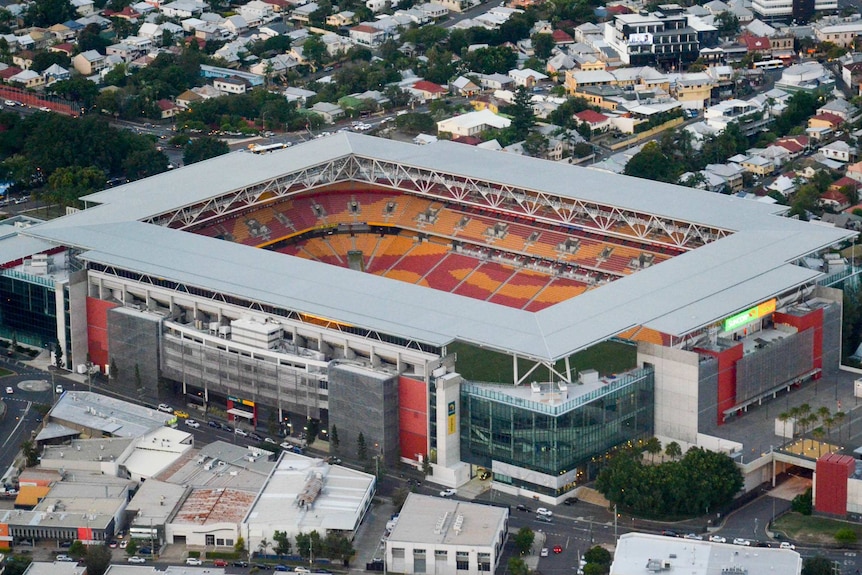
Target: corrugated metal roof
<point>676,297</point>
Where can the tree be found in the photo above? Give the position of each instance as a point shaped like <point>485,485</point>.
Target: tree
<point>97,559</point>
<point>651,163</point>
<point>817,566</point>
<point>727,23</point>
<point>536,145</point>
<point>314,50</point>
<point>845,536</point>
<point>67,184</point>
<point>204,148</point>
<point>524,540</point>
<point>16,564</point>
<point>542,45</point>
<point>44,13</point>
<point>282,542</point>
<point>333,439</point>
<point>361,448</point>
<point>58,355</point>
<point>264,544</point>
<point>598,555</point>
<point>77,549</point>
<point>517,566</point>
<point>521,111</point>
<point>239,546</point>
<point>90,38</point>
<point>132,547</point>
<point>653,447</point>
<point>44,59</point>
<point>673,450</point>
<point>416,123</point>
<point>491,60</point>
<point>30,452</point>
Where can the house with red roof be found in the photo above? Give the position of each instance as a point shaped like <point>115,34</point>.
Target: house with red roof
<point>596,121</point>
<point>168,109</point>
<point>825,120</point>
<point>756,44</point>
<point>561,38</point>
<point>66,48</point>
<point>834,199</point>
<point>795,145</point>
<point>425,90</point>
<point>128,13</point>
<point>618,10</point>
<point>7,73</point>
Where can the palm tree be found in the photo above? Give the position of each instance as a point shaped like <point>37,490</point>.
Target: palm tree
<point>263,546</point>
<point>783,417</point>
<point>653,447</point>
<point>673,450</point>
<point>819,434</point>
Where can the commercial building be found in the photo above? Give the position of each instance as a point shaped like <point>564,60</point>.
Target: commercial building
<point>304,494</point>
<point>666,39</point>
<point>446,536</point>
<point>497,256</point>
<point>643,553</point>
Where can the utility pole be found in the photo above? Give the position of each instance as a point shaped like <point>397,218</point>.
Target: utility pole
<point>615,522</point>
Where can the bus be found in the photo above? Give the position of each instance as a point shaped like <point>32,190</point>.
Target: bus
<point>768,65</point>
<point>259,149</point>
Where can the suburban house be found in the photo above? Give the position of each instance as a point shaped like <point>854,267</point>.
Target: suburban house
<point>329,112</point>
<point>472,123</point>
<point>89,63</point>
<point>838,150</point>
<point>425,90</point>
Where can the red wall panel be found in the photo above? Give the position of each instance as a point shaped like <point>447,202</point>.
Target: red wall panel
<point>97,329</point>
<point>412,417</point>
<point>831,486</point>
<point>726,377</point>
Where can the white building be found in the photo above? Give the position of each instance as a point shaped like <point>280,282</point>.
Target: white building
<point>304,494</point>
<point>783,9</point>
<point>472,123</point>
<point>643,553</point>
<point>446,537</point>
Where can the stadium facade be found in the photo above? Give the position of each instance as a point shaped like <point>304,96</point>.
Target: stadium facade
<point>335,279</point>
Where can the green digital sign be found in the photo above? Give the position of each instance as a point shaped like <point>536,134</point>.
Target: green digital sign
<point>741,319</point>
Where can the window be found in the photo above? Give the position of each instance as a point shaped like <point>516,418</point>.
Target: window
<point>220,542</point>
<point>484,561</point>
<point>210,540</point>
<point>398,553</point>
<point>419,561</point>
<point>462,561</point>
<point>228,542</point>
<point>440,554</point>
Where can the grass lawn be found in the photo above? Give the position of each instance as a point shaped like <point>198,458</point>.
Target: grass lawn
<point>810,529</point>
<point>4,372</point>
<point>479,364</point>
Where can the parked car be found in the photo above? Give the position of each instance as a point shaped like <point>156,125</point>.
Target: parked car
<point>787,545</point>
<point>740,541</point>
<point>192,423</point>
<point>269,440</point>
<point>123,544</point>
<point>670,533</point>
<point>281,568</point>
<point>694,536</point>
<point>165,407</point>
<point>521,507</point>
<point>544,552</point>
<point>240,563</point>
<point>65,558</point>
<point>112,544</point>
<point>544,518</point>
<point>181,414</point>
<point>302,570</point>
<point>546,512</point>
<point>219,563</point>
<point>9,390</point>
<point>194,561</point>
<point>240,432</point>
<point>136,559</point>
<point>570,500</point>
<point>214,424</point>
<point>58,389</point>
<point>255,436</point>
<point>225,427</point>
<point>717,539</point>
<point>65,544</point>
<point>448,492</point>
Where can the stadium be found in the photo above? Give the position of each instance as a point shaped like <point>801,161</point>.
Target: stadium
<point>459,307</point>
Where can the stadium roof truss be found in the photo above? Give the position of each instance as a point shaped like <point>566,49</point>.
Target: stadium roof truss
<point>733,253</point>
<point>449,187</point>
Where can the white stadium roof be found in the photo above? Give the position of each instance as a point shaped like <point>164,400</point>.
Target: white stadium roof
<point>680,295</point>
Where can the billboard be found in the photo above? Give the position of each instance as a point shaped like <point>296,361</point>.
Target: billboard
<point>746,317</point>
<point>639,39</point>
<point>452,428</point>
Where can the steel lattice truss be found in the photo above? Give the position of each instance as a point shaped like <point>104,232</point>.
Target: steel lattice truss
<point>534,205</point>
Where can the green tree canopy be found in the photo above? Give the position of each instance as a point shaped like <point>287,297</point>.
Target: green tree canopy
<point>46,13</point>
<point>651,163</point>
<point>97,559</point>
<point>491,60</point>
<point>204,148</point>
<point>524,540</point>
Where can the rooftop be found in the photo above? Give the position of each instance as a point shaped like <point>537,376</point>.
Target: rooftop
<point>686,293</point>
<point>106,414</point>
<point>208,506</point>
<point>434,520</point>
<point>636,551</point>
<point>222,465</point>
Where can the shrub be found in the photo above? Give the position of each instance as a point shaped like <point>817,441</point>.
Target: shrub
<point>845,536</point>
<point>803,503</point>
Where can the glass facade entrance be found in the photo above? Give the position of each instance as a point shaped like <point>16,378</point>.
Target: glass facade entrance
<point>554,439</point>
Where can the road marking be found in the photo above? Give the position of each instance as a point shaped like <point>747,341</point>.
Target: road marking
<point>20,421</point>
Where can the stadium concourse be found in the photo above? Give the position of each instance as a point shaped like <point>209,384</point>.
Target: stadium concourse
<point>443,300</point>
